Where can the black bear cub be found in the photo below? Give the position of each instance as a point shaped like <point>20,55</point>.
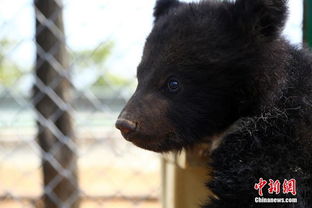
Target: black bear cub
<point>220,71</point>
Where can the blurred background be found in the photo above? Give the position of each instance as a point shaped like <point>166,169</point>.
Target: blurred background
<point>66,70</point>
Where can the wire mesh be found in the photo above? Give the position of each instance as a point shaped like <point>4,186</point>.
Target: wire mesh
<point>100,77</point>
<point>104,41</point>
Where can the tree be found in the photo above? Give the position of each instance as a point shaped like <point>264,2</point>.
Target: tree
<point>51,100</point>
<point>9,71</point>
<point>95,60</point>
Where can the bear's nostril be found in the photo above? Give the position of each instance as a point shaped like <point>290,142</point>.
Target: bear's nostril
<point>125,126</point>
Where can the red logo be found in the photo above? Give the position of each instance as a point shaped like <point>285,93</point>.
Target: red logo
<point>275,187</point>
<point>259,186</point>
<point>289,186</point>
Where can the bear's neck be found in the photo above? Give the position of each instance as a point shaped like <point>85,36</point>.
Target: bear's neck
<point>267,80</point>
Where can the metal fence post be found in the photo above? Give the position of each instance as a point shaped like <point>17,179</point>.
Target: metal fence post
<point>307,25</point>
<point>51,101</point>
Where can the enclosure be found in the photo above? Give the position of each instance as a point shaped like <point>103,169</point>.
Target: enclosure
<point>66,70</point>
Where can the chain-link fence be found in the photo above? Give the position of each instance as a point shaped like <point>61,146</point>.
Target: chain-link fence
<point>66,70</point>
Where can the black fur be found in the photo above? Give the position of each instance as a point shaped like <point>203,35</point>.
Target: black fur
<point>233,68</point>
<point>163,6</point>
<point>262,17</point>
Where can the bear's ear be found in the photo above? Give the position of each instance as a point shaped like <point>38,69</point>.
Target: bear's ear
<point>163,6</point>
<point>262,17</point>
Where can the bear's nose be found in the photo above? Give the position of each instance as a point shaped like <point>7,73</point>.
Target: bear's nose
<point>125,126</point>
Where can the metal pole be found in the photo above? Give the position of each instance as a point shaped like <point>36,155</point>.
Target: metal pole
<point>307,22</point>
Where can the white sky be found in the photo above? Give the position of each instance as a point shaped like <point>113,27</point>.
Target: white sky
<point>89,23</point>
<point>129,25</point>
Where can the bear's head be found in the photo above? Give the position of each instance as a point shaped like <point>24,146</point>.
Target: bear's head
<point>202,69</point>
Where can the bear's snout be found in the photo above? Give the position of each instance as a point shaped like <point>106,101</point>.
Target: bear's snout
<point>125,126</point>
<point>144,121</point>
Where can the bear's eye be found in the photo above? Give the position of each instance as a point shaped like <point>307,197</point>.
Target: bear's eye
<point>173,85</point>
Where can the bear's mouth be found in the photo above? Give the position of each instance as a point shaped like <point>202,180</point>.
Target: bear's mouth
<point>164,143</point>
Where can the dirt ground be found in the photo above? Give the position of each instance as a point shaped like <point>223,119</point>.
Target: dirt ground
<point>112,173</point>
<point>95,182</point>
<point>87,204</point>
